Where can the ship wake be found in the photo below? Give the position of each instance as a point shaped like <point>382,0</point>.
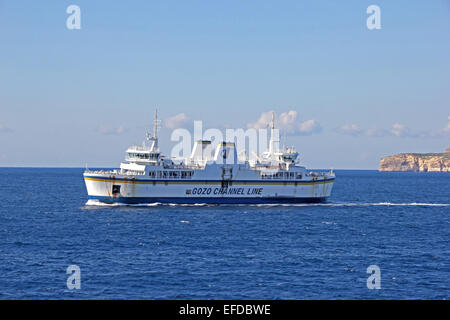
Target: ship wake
<point>96,203</point>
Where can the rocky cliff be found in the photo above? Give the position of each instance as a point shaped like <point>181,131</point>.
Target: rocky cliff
<point>423,162</point>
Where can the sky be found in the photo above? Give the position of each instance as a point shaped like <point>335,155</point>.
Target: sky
<point>344,95</point>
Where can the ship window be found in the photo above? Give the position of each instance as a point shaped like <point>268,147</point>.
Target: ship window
<point>139,155</point>
<point>115,189</point>
<point>172,174</point>
<point>186,174</point>
<point>267,176</point>
<point>299,175</point>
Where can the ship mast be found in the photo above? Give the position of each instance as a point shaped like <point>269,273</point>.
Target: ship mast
<point>154,138</point>
<point>272,148</point>
<point>155,129</point>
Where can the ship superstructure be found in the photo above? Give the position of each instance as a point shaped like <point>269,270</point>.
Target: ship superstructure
<point>208,176</point>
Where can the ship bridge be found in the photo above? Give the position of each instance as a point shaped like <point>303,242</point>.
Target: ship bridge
<point>137,153</point>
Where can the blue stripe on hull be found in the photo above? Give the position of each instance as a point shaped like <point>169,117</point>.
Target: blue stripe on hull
<point>217,200</point>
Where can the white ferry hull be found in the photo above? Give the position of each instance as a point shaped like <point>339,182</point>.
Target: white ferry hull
<point>133,190</point>
<point>147,176</point>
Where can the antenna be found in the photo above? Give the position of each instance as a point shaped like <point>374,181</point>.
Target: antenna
<point>272,138</point>
<point>156,125</point>
<point>273,119</point>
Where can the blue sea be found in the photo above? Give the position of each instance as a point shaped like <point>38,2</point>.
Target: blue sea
<point>396,221</point>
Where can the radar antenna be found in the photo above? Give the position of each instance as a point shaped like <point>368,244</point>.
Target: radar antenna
<point>274,137</point>
<point>156,126</point>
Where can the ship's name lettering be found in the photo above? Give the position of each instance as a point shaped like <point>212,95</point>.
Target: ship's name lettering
<point>223,191</point>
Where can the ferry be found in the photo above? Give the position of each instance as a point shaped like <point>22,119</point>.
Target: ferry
<point>207,177</point>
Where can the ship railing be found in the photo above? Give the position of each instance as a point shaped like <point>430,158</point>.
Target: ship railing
<point>320,174</point>
<point>102,171</point>
<point>134,173</point>
<point>140,148</point>
<point>116,172</point>
<point>283,175</point>
<point>138,159</point>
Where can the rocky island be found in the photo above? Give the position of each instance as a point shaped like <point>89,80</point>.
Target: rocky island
<point>417,162</point>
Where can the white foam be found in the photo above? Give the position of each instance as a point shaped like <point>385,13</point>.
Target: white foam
<point>328,204</point>
<point>409,204</point>
<point>355,204</point>
<point>94,202</point>
<point>154,204</point>
<point>186,204</point>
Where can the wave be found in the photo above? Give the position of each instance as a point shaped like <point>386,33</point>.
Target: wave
<point>91,202</point>
<point>94,203</point>
<point>97,203</point>
<point>356,204</point>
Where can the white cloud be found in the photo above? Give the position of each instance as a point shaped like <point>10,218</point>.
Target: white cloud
<point>400,130</point>
<point>263,121</point>
<point>397,130</point>
<point>105,129</point>
<point>444,132</point>
<point>350,129</point>
<point>309,127</point>
<point>287,121</point>
<point>376,132</point>
<point>176,121</point>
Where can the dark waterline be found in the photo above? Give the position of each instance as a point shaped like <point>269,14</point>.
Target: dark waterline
<point>398,221</point>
